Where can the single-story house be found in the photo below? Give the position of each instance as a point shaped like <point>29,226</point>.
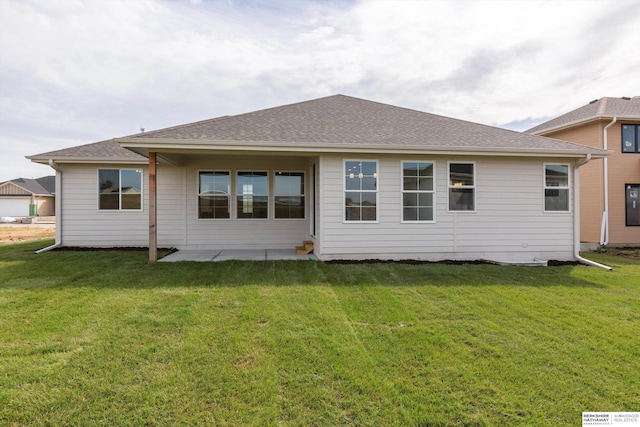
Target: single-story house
<point>23,197</point>
<point>358,179</point>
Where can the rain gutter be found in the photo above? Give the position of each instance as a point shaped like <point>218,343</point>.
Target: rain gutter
<point>576,216</point>
<point>604,228</point>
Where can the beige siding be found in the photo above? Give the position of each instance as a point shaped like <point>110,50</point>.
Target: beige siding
<point>46,205</point>
<point>591,200</point>
<point>509,224</point>
<point>10,188</point>
<point>624,168</point>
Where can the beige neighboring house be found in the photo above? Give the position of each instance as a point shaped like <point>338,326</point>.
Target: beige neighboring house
<point>354,178</point>
<point>24,197</point>
<point>610,187</point>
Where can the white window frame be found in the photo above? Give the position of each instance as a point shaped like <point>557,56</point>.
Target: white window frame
<point>472,187</point>
<point>140,170</point>
<point>303,195</point>
<point>236,195</point>
<point>403,191</point>
<point>545,187</point>
<point>345,191</point>
<point>231,199</point>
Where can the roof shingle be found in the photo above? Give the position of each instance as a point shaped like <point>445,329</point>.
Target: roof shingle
<point>41,186</point>
<point>341,119</point>
<point>102,149</point>
<point>601,108</point>
<point>336,120</point>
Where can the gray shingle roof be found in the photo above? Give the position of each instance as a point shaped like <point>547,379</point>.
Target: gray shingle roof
<point>336,120</point>
<point>40,186</point>
<point>601,108</point>
<point>102,149</point>
<point>341,119</point>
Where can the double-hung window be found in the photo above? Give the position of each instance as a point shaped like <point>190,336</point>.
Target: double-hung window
<point>631,138</point>
<point>120,189</point>
<point>462,187</point>
<point>556,187</point>
<point>252,190</point>
<point>213,195</point>
<point>289,195</point>
<point>361,190</point>
<point>417,191</point>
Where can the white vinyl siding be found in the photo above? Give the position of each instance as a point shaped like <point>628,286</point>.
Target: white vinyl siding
<point>268,233</point>
<point>177,201</point>
<point>84,225</point>
<point>510,226</point>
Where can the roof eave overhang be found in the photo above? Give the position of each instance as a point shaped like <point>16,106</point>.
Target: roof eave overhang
<point>79,159</point>
<point>143,146</point>
<point>581,122</point>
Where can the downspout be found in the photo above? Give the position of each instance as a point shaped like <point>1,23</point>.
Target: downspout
<point>604,228</point>
<point>576,216</point>
<point>58,202</point>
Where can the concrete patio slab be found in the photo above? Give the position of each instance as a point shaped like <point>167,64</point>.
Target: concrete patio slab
<point>245,255</point>
<point>202,255</point>
<point>211,255</point>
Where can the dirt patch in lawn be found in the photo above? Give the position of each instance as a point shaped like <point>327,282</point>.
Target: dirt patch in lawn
<point>630,253</point>
<point>20,233</point>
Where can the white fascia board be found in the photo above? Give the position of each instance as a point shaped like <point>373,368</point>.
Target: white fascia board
<point>97,160</point>
<point>142,145</point>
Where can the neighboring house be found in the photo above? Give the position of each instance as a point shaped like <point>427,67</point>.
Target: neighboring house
<point>610,188</point>
<point>359,179</point>
<point>23,197</point>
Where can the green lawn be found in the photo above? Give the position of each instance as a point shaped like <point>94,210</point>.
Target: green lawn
<point>104,338</point>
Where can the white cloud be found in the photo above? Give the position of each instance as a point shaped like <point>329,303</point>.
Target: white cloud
<point>74,72</point>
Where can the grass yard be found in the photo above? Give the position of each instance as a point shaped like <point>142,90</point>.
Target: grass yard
<point>104,338</point>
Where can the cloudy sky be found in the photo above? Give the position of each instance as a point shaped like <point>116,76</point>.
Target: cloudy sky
<point>74,72</point>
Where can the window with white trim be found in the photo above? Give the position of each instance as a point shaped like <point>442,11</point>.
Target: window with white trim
<point>289,195</point>
<point>462,187</point>
<point>252,190</point>
<point>213,195</point>
<point>360,190</point>
<point>417,191</point>
<point>556,187</point>
<point>120,189</point>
